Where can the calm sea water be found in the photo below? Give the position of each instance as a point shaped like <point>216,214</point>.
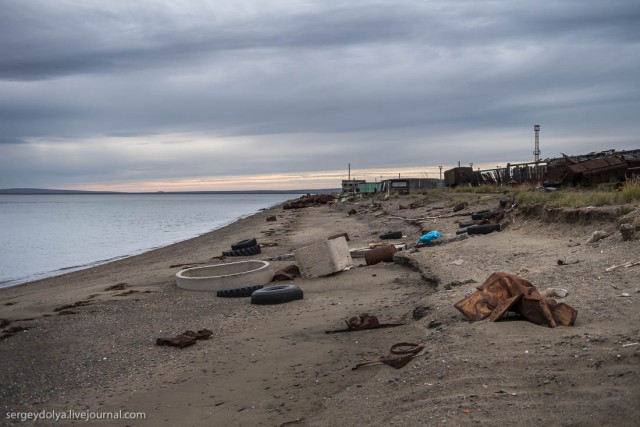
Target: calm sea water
<point>46,235</point>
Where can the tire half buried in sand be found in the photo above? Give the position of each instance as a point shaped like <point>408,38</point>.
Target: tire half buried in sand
<point>224,276</point>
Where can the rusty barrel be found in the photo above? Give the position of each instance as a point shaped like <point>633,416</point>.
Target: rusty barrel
<point>381,254</point>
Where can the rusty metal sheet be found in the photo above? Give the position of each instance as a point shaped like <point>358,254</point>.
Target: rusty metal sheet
<point>605,164</point>
<point>503,292</point>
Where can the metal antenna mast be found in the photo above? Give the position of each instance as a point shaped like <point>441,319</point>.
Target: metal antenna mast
<point>536,152</point>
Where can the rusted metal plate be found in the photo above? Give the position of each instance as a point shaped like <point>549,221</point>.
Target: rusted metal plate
<point>605,164</point>
<point>503,292</point>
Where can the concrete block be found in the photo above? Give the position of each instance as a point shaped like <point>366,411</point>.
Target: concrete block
<point>324,257</point>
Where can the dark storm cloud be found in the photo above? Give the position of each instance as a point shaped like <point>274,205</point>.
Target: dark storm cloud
<point>307,85</point>
<point>45,39</point>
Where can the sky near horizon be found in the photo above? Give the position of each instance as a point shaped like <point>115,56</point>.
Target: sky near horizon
<point>262,94</point>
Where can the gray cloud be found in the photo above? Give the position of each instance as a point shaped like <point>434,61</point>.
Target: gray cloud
<point>306,85</point>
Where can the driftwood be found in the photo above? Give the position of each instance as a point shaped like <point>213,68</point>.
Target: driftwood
<point>626,265</point>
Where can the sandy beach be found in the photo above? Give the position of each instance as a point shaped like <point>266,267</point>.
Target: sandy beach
<point>89,338</point>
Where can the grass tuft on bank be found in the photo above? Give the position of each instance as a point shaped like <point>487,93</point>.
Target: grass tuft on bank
<point>580,197</point>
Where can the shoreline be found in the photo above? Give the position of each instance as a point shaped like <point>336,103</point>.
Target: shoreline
<point>65,270</point>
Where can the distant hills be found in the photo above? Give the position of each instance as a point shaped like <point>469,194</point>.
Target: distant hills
<point>26,191</point>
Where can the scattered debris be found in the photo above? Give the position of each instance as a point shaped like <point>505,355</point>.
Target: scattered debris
<point>285,257</point>
<point>625,294</point>
<point>458,262</point>
<point>308,201</point>
<point>335,236</point>
<point>434,324</point>
<point>483,229</point>
<point>403,353</point>
<point>272,218</point>
<point>563,262</point>
<point>460,206</point>
<point>556,293</point>
<point>381,254</point>
<point>391,235</point>
<point>363,322</point>
<point>597,235</point>
<point>503,292</point>
<point>185,339</point>
<point>429,237</point>
<point>269,245</point>
<point>288,273</point>
<point>352,212</point>
<point>420,311</point>
<point>625,265</point>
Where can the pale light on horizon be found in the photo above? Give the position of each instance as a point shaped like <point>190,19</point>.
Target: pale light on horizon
<point>277,181</point>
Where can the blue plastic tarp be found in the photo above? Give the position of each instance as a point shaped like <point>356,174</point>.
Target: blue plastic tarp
<point>429,237</point>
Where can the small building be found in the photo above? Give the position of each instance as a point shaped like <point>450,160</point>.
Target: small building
<point>352,185</point>
<point>459,176</point>
<point>368,187</point>
<point>407,184</point>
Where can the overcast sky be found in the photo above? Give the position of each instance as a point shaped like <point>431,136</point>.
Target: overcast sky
<point>167,95</point>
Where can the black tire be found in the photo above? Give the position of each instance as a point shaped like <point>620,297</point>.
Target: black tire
<point>482,215</point>
<point>468,224</point>
<point>392,235</point>
<point>483,229</point>
<point>238,292</point>
<point>252,250</point>
<point>243,244</point>
<point>276,294</point>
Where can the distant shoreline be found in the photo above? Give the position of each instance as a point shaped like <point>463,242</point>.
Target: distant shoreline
<point>41,191</point>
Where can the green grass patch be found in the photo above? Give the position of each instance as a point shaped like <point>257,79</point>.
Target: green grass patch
<point>578,198</point>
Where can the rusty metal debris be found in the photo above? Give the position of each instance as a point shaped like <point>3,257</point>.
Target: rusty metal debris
<point>381,254</point>
<point>401,354</point>
<point>185,339</point>
<point>363,322</point>
<point>309,200</point>
<point>503,292</point>
<point>288,273</point>
<point>335,236</point>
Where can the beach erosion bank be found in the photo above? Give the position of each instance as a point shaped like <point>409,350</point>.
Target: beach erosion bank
<point>275,365</point>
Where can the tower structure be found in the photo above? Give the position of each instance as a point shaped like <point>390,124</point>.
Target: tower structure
<point>536,151</point>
